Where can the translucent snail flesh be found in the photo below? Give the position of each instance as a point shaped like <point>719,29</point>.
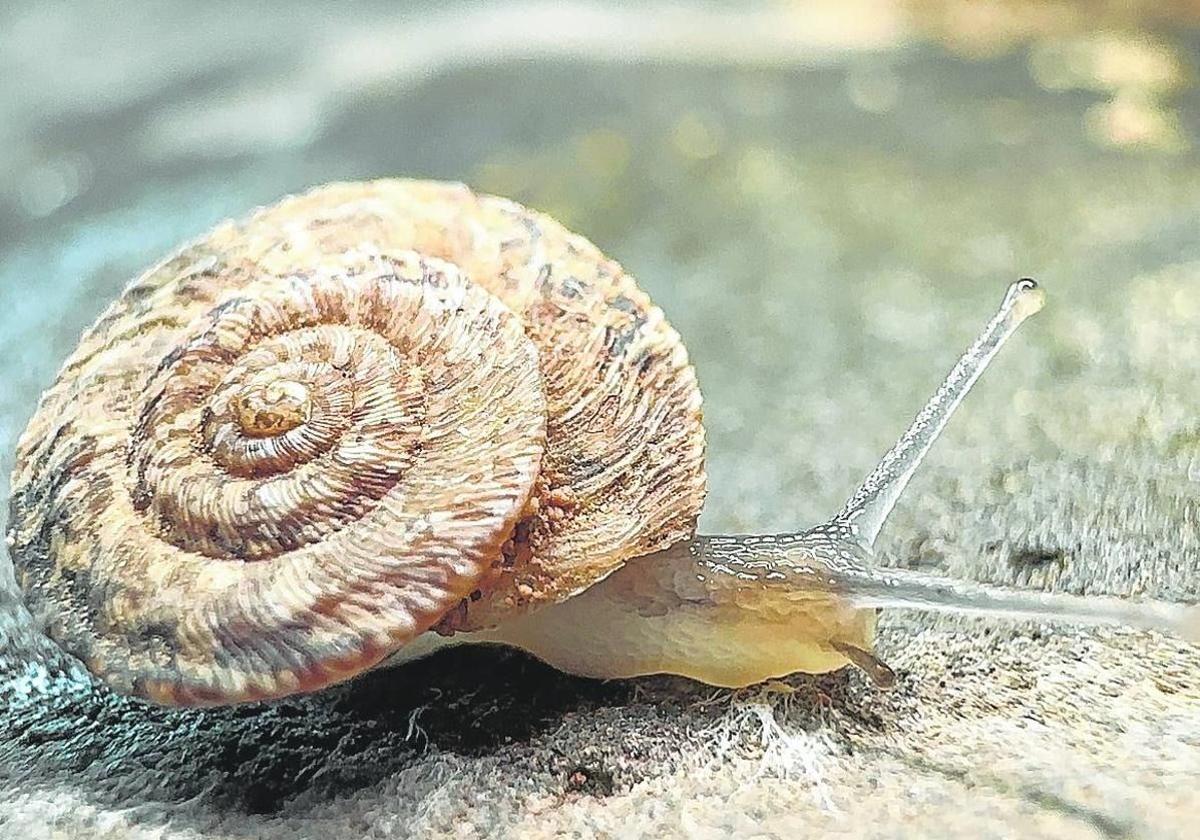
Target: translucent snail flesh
<point>381,418</point>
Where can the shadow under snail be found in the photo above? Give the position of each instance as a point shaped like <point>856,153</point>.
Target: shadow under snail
<point>380,418</point>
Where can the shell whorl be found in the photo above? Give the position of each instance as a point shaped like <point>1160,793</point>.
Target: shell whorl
<point>313,435</point>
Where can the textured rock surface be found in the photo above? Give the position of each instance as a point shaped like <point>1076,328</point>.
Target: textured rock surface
<point>827,212</point>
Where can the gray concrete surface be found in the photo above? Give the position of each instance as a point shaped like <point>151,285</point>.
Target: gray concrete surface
<point>827,206</point>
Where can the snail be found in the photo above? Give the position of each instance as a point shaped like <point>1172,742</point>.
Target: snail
<point>382,418</point>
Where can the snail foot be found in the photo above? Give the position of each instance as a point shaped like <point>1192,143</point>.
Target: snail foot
<point>880,674</point>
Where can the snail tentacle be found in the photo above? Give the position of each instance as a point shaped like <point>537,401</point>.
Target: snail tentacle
<point>867,509</point>
<point>833,560</point>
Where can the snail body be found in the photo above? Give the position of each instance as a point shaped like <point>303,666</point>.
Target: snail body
<point>380,418</point>
<point>679,612</point>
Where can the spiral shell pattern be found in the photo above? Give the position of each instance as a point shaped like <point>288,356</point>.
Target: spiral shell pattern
<point>315,434</point>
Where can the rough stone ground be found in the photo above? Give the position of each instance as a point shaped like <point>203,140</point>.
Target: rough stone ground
<point>827,212</point>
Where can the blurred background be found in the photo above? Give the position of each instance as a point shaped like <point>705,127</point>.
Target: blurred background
<point>828,199</point>
<point>818,193</point>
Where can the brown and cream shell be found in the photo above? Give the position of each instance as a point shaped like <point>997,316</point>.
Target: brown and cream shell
<point>362,413</point>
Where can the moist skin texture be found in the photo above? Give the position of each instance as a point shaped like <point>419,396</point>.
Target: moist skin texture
<point>676,613</point>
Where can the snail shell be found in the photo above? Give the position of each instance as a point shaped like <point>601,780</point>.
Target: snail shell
<point>309,437</point>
